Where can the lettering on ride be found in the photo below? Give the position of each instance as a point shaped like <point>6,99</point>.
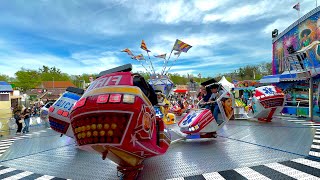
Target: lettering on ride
<point>106,81</point>
<point>189,118</point>
<point>64,104</point>
<point>268,90</point>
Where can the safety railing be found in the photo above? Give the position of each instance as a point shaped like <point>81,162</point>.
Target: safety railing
<point>297,106</point>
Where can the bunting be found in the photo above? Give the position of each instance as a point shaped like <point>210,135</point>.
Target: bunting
<point>296,7</point>
<point>127,50</point>
<point>144,46</point>
<point>139,57</point>
<point>163,56</point>
<point>181,46</point>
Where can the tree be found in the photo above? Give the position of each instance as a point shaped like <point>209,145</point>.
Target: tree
<point>266,68</point>
<point>79,79</point>
<point>27,79</point>
<point>4,77</point>
<point>52,74</point>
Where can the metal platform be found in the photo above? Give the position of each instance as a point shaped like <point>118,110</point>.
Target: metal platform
<point>239,144</point>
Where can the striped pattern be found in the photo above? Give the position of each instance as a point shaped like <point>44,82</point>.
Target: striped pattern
<point>302,168</point>
<point>315,146</point>
<point>7,173</point>
<point>6,143</point>
<point>127,50</point>
<point>302,122</point>
<point>181,46</point>
<point>144,46</point>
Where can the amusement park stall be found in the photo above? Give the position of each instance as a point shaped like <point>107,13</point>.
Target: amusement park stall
<point>242,91</point>
<point>5,106</point>
<point>296,64</point>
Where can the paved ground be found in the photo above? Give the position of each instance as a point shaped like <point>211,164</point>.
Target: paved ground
<point>240,144</point>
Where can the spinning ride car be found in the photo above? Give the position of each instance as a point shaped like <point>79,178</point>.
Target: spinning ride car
<point>201,122</point>
<point>115,117</point>
<point>266,102</point>
<point>164,105</point>
<point>59,112</point>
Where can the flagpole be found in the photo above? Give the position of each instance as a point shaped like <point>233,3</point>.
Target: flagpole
<point>166,62</point>
<point>172,64</point>
<point>144,67</point>
<point>149,66</point>
<point>154,72</point>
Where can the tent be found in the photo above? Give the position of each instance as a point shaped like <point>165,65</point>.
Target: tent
<point>226,84</point>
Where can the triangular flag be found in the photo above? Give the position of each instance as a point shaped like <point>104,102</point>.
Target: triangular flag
<point>181,46</point>
<point>144,46</point>
<point>127,50</point>
<point>297,7</point>
<point>163,56</point>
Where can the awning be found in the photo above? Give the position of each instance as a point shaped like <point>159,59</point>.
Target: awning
<point>285,76</point>
<point>270,79</point>
<point>180,91</point>
<point>244,88</point>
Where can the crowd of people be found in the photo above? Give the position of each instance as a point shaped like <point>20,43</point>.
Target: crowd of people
<point>205,98</point>
<point>23,116</point>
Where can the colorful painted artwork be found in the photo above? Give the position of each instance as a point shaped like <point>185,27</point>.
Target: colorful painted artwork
<point>299,36</point>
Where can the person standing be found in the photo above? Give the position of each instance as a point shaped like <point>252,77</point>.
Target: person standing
<point>17,117</point>
<point>26,116</point>
<point>193,88</point>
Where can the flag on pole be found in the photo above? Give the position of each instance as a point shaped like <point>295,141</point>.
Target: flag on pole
<point>297,7</point>
<point>144,46</point>
<point>127,50</point>
<point>139,57</point>
<point>163,56</point>
<point>181,46</point>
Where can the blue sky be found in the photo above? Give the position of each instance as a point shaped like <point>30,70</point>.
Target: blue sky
<point>86,36</point>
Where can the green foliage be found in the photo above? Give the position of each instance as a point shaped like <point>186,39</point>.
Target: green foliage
<point>249,72</point>
<point>52,74</point>
<point>4,77</point>
<point>79,79</point>
<point>27,79</point>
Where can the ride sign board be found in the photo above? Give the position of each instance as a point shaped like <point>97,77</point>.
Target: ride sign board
<point>122,78</point>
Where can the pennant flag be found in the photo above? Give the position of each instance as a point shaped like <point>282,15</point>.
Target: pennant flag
<point>163,56</point>
<point>181,46</point>
<point>297,7</point>
<point>144,46</point>
<point>139,57</point>
<point>128,51</point>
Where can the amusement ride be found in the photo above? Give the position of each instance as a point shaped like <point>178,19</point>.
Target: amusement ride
<point>123,117</point>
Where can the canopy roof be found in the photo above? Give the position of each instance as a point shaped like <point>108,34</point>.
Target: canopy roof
<point>226,84</point>
<point>5,87</point>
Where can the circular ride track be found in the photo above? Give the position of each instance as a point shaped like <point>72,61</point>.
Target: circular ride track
<point>239,144</point>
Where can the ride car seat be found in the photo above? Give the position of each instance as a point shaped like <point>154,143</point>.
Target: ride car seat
<point>140,82</point>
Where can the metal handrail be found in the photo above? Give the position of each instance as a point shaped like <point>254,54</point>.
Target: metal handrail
<point>298,105</point>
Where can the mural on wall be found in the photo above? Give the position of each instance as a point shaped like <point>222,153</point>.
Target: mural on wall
<point>299,36</point>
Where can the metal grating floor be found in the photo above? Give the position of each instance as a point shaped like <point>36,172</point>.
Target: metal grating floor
<point>239,144</point>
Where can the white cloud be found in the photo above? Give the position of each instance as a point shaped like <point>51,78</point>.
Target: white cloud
<point>200,42</point>
<point>249,12</point>
<point>280,24</point>
<point>206,5</point>
<point>211,17</point>
<point>175,11</point>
